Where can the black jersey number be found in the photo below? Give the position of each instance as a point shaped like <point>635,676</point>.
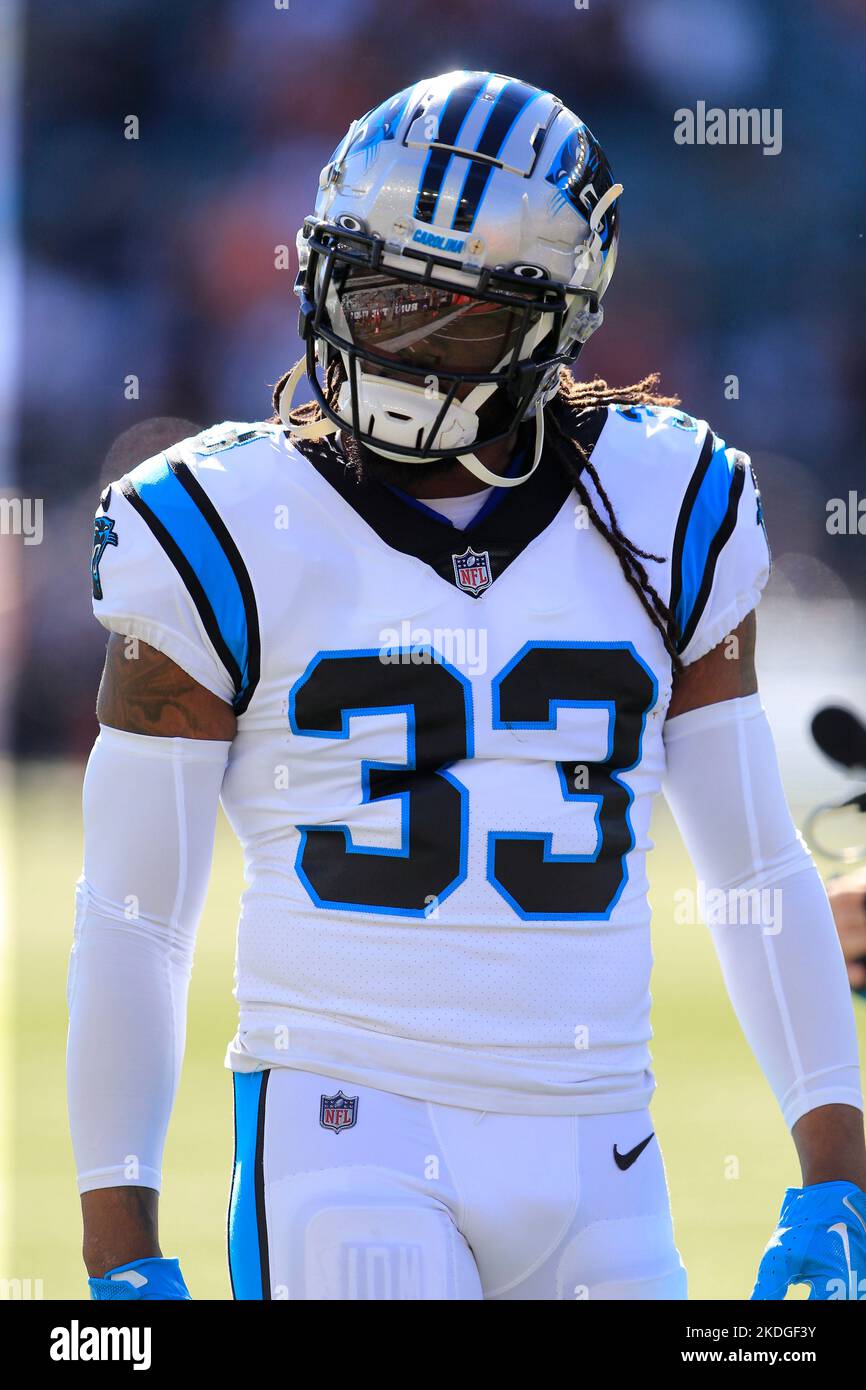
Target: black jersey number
<point>436,699</point>
<point>543,678</point>
<point>431,860</point>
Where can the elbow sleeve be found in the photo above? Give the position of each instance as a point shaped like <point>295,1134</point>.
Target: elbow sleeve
<point>150,808</point>
<point>764,903</point>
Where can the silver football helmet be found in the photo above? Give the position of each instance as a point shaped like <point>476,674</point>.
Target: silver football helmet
<point>464,234</point>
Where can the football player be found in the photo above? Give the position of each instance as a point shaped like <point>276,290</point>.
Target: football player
<point>436,639</point>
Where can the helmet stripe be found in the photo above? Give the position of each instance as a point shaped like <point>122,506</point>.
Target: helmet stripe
<point>458,104</point>
<point>514,97</point>
<point>504,115</point>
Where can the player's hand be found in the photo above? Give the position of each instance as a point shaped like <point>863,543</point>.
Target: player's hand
<point>820,1241</point>
<point>145,1279</point>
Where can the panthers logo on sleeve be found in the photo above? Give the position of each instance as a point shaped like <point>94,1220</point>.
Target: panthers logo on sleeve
<point>104,535</point>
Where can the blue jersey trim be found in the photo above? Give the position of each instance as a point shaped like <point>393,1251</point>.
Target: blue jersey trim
<point>707,526</point>
<point>247,1235</point>
<point>180,514</point>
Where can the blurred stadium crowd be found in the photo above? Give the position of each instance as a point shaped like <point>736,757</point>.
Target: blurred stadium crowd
<point>155,257</point>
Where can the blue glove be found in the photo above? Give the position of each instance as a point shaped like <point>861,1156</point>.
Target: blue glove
<point>820,1241</point>
<point>152,1278</point>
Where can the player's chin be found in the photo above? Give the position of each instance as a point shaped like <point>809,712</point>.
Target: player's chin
<point>494,419</point>
<point>396,472</point>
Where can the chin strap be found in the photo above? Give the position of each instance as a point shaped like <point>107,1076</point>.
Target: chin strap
<point>318,429</point>
<point>485,475</point>
<point>601,207</point>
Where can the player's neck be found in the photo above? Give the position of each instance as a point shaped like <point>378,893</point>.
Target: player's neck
<point>457,481</point>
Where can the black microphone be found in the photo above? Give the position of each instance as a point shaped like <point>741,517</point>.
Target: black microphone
<point>840,735</point>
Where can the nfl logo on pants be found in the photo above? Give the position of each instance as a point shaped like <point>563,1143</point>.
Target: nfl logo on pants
<point>338,1112</point>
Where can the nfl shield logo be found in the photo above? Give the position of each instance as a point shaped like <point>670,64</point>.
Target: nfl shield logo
<point>338,1112</point>
<point>472,571</point>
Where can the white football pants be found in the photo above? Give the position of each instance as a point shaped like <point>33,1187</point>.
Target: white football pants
<point>343,1192</point>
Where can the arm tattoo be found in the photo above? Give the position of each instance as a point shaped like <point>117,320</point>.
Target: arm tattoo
<point>144,692</point>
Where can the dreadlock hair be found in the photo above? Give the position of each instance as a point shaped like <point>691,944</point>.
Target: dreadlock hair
<point>573,401</point>
<point>570,402</point>
<point>308,412</point>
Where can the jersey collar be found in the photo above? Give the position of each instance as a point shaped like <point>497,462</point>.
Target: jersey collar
<point>495,537</point>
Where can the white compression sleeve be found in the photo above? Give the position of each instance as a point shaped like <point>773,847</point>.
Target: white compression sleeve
<point>765,904</point>
<point>150,808</point>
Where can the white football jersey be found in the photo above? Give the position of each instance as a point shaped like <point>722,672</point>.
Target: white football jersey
<point>448,743</point>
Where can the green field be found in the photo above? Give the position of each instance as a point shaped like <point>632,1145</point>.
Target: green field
<point>727,1152</point>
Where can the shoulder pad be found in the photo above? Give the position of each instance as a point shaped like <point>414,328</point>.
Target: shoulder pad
<point>681,493</point>
<point>228,435</point>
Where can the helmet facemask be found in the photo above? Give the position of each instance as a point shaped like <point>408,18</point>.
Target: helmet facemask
<point>436,360</point>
